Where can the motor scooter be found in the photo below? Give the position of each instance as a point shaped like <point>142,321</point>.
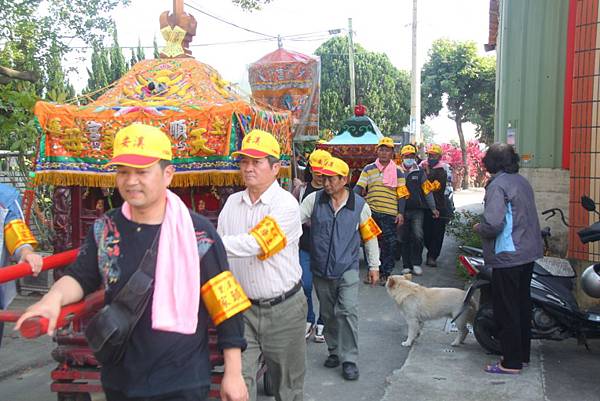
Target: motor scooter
<point>555,313</point>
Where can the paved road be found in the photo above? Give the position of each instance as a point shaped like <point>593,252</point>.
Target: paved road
<point>25,364</point>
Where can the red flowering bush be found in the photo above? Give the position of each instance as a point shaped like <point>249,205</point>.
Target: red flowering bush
<point>475,152</point>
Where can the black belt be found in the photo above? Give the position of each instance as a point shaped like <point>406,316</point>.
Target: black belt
<point>279,299</point>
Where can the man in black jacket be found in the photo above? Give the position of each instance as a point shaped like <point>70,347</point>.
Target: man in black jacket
<point>419,200</point>
<point>163,363</point>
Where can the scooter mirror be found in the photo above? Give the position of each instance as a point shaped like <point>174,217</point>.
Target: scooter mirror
<point>588,203</point>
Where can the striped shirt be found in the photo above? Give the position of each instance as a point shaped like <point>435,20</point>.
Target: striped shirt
<point>381,199</point>
<point>279,273</point>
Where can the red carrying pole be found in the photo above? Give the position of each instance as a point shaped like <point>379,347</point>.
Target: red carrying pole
<point>38,326</point>
<point>19,270</point>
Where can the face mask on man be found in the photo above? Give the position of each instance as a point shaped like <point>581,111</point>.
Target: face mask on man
<point>432,161</point>
<point>409,162</point>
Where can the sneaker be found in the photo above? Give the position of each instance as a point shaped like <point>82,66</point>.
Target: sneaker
<point>417,270</point>
<point>309,329</point>
<point>406,270</point>
<point>319,337</point>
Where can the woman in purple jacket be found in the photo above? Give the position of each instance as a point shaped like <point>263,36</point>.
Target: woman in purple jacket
<point>510,232</point>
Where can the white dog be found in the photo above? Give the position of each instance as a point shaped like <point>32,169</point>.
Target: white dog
<point>419,304</point>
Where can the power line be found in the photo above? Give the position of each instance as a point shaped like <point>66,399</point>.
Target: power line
<point>229,23</point>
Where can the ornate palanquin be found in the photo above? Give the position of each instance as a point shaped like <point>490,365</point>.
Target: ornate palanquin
<point>290,81</point>
<point>355,142</point>
<point>187,99</point>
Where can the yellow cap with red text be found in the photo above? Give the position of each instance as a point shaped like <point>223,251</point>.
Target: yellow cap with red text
<point>140,146</point>
<point>386,141</point>
<point>318,158</point>
<point>408,150</point>
<point>434,149</point>
<point>335,166</point>
<point>258,144</point>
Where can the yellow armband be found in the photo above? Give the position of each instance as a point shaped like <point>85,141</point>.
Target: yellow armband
<point>223,297</point>
<point>429,186</point>
<point>402,191</point>
<point>369,229</point>
<point>269,236</point>
<point>16,234</point>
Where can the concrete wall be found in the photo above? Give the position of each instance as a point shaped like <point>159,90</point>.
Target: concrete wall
<point>551,186</point>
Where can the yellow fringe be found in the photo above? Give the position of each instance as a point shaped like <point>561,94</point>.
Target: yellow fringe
<point>67,179</point>
<point>216,178</point>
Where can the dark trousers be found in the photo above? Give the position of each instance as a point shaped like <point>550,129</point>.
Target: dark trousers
<point>511,299</point>
<point>434,231</point>
<point>412,238</point>
<point>196,394</point>
<point>387,242</point>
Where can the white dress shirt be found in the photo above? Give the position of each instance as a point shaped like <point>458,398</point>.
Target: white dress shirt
<point>278,274</point>
<point>371,246</point>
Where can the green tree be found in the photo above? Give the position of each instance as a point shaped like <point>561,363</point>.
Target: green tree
<point>156,53</point>
<point>133,58</point>
<point>105,66</point>
<point>97,78</point>
<point>483,103</point>
<point>381,87</point>
<point>455,70</point>
<point>428,134</point>
<point>35,35</point>
<point>140,53</point>
<point>57,87</point>
<point>29,28</point>
<point>251,5</point>
<point>118,65</point>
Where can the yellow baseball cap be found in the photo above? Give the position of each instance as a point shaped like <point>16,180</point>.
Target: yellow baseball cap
<point>140,146</point>
<point>386,141</point>
<point>318,158</point>
<point>434,148</point>
<point>258,144</point>
<point>335,166</point>
<point>408,150</point>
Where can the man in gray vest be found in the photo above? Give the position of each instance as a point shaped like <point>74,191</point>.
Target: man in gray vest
<point>339,218</point>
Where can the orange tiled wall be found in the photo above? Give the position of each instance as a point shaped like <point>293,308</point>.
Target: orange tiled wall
<point>585,125</point>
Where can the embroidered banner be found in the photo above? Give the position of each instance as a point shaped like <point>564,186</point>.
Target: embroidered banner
<point>187,99</point>
<point>290,81</point>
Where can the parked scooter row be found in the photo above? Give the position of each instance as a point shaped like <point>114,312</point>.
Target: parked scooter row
<point>555,313</point>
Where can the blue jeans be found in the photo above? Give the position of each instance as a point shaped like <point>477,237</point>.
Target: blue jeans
<point>307,285</point>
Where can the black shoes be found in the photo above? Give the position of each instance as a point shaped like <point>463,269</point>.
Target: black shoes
<point>349,371</point>
<point>431,262</point>
<point>332,361</point>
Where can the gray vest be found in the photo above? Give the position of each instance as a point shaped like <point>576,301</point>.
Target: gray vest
<point>335,239</point>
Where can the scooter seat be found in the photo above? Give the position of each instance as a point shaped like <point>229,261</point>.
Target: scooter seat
<point>485,272</point>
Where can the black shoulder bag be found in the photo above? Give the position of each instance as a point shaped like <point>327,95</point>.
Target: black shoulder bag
<point>109,330</point>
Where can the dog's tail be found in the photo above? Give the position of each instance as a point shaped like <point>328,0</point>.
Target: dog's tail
<point>468,307</point>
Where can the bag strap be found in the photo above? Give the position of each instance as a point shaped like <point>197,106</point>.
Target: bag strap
<point>147,265</point>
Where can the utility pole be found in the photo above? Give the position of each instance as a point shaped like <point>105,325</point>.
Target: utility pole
<point>351,64</point>
<point>415,85</point>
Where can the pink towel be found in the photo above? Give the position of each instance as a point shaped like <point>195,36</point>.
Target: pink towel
<point>177,278</point>
<point>390,176</point>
